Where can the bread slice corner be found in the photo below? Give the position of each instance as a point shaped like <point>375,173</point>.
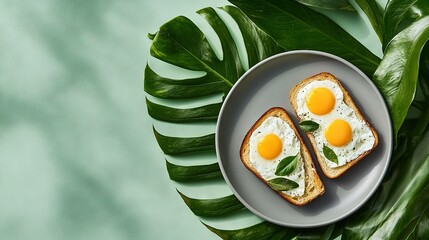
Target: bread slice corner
<point>328,171</point>
<point>314,186</point>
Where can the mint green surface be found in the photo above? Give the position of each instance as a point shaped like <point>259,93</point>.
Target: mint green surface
<point>78,159</point>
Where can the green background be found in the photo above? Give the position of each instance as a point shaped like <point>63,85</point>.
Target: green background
<point>78,159</point>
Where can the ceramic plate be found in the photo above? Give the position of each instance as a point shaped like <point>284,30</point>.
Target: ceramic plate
<point>267,85</point>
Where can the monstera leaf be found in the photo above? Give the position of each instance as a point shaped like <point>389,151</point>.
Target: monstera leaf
<point>399,209</point>
<point>182,43</point>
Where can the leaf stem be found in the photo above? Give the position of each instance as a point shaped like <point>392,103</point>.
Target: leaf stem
<point>206,66</point>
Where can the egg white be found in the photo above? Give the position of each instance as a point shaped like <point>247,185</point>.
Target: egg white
<point>291,147</point>
<point>363,138</point>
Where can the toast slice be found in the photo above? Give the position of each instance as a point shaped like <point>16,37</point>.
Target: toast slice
<point>331,172</point>
<point>314,186</point>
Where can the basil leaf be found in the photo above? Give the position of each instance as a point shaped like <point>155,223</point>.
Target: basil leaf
<point>282,184</point>
<point>330,154</point>
<point>287,165</point>
<point>308,126</point>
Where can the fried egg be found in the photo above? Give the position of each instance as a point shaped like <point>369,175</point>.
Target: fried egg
<point>271,142</point>
<point>339,127</point>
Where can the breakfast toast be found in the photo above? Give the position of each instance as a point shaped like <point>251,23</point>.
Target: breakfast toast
<point>314,187</point>
<point>331,172</point>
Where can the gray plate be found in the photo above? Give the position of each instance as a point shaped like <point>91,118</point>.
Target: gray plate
<point>267,85</point>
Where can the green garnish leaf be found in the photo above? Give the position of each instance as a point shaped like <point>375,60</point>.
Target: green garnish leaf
<point>287,165</point>
<point>309,126</point>
<point>282,184</point>
<point>330,154</point>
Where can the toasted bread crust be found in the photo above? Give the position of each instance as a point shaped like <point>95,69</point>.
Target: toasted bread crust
<point>328,171</point>
<point>313,184</point>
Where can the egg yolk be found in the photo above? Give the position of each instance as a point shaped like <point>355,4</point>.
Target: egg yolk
<point>320,101</point>
<point>338,133</point>
<point>270,146</point>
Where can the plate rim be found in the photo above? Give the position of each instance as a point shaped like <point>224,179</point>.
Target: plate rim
<point>389,143</point>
